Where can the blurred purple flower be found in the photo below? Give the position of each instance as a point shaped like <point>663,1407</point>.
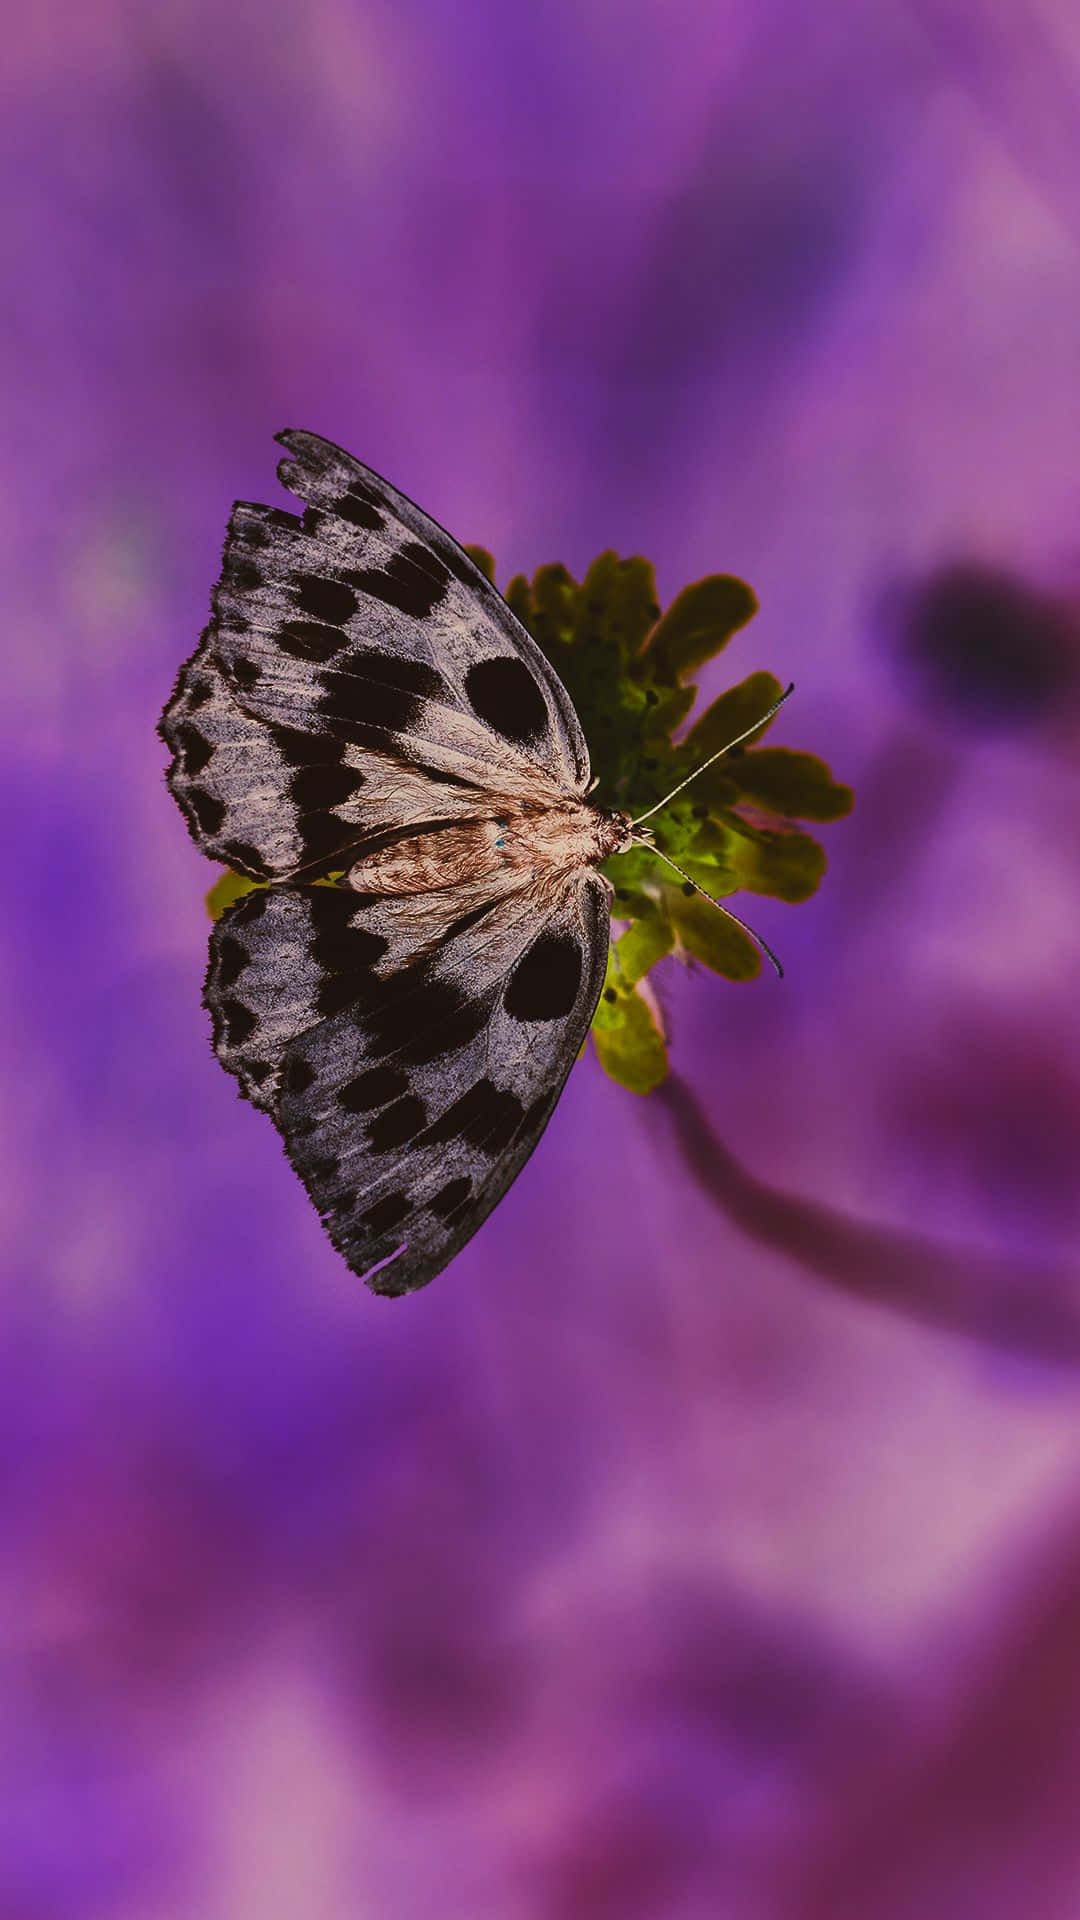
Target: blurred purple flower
<point>625,1572</point>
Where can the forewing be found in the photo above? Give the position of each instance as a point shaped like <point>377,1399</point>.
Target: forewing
<point>411,575</point>
<point>410,1079</point>
<point>365,621</point>
<point>357,639</point>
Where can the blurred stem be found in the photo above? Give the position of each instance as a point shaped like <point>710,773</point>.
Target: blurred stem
<point>1029,1310</point>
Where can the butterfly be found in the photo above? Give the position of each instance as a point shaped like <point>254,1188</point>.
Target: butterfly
<point>365,709</point>
<point>364,705</point>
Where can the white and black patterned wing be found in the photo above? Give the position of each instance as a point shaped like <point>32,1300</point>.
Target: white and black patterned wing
<point>253,796</point>
<point>420,598</point>
<point>362,627</point>
<point>410,1078</point>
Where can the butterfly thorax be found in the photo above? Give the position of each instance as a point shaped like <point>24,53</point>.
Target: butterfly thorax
<point>525,841</point>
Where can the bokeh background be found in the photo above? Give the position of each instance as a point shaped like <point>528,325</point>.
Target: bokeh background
<point>705,1544</point>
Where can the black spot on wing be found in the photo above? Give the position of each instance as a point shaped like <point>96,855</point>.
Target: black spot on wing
<point>315,788</point>
<point>386,1213</point>
<point>231,958</point>
<point>242,672</point>
<point>193,748</point>
<point>375,1088</point>
<point>310,640</point>
<point>239,571</point>
<point>505,694</point>
<point>486,1118</point>
<point>397,1124</point>
<point>425,1020</point>
<point>358,506</point>
<point>451,1198</point>
<point>241,854</point>
<point>413,580</point>
<point>339,946</point>
<point>253,907</point>
<point>238,1021</point>
<point>340,990</point>
<point>328,600</point>
<point>344,953</point>
<point>208,810</point>
<point>326,840</point>
<point>297,1076</point>
<point>348,701</point>
<point>449,1033</point>
<point>544,985</point>
<point>393,670</point>
<point>308,749</point>
<point>362,489</point>
<point>198,693</point>
<point>259,526</point>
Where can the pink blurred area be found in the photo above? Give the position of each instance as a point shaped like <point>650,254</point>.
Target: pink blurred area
<point>703,1545</point>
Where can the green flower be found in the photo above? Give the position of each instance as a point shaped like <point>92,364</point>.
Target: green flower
<point>626,667</point>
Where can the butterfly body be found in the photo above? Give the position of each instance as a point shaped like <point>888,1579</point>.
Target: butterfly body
<point>525,844</point>
<point>365,707</point>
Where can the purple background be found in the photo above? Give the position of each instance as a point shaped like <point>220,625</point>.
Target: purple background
<point>705,1545</point>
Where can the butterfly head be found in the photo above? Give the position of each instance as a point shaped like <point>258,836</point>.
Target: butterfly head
<point>614,833</point>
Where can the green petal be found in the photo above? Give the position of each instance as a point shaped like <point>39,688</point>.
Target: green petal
<point>518,597</point>
<point>668,711</point>
<point>786,866</point>
<point>700,620</point>
<point>628,871</point>
<point>629,1044</point>
<point>554,595</point>
<point>710,842</point>
<point>595,626</point>
<point>641,946</point>
<point>730,715</point>
<point>796,784</point>
<point>707,933</point>
<point>637,608</point>
<point>716,874</point>
<point>677,833</point>
<point>616,607</point>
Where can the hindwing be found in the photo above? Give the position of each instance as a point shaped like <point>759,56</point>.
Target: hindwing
<point>409,1068</point>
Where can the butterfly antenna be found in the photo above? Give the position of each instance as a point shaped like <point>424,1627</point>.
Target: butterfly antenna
<point>720,751</point>
<point>763,945</point>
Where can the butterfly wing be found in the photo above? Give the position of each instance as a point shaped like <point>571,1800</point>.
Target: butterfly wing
<point>360,630</point>
<point>409,1071</point>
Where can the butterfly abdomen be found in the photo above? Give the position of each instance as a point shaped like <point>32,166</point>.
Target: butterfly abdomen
<point>453,854</point>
